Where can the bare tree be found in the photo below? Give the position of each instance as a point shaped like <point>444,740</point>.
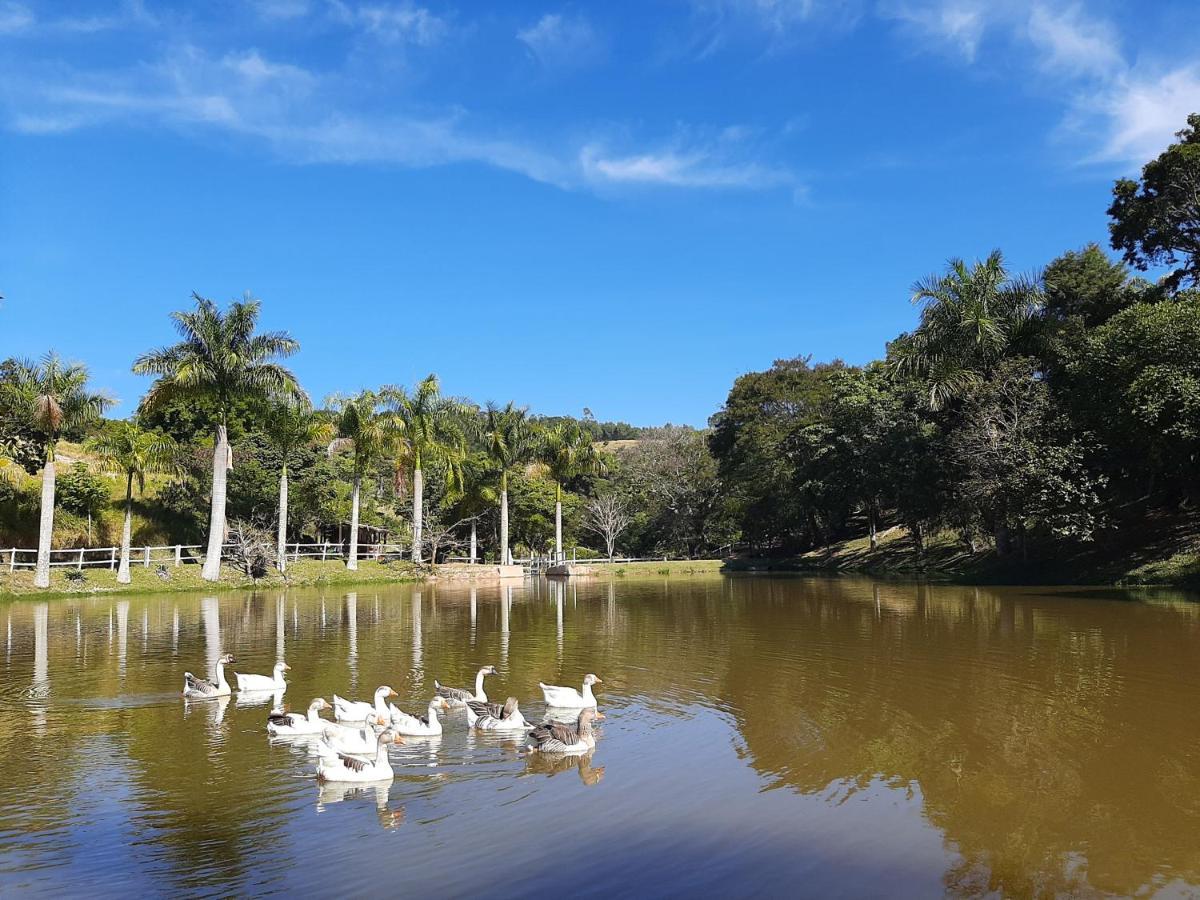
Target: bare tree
<point>607,516</point>
<point>441,536</point>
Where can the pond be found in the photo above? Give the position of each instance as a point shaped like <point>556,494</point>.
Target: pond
<point>762,736</point>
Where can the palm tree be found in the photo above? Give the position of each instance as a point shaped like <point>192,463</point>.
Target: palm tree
<point>134,452</point>
<point>430,430</point>
<point>509,442</point>
<point>290,425</point>
<point>475,493</point>
<point>972,316</point>
<point>567,452</point>
<point>53,398</point>
<point>220,359</point>
<point>368,433</point>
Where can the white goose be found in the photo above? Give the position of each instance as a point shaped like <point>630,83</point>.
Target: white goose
<point>557,737</point>
<point>360,711</point>
<point>200,689</point>
<point>427,725</point>
<point>264,683</point>
<point>494,717</point>
<point>337,739</point>
<point>458,697</point>
<point>569,698</point>
<point>359,767</point>
<point>285,724</point>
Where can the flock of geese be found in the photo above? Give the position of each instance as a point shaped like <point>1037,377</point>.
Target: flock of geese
<point>354,745</point>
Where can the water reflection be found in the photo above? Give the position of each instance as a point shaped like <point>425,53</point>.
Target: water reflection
<point>856,737</point>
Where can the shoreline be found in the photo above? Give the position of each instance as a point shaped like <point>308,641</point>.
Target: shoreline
<point>304,574</point>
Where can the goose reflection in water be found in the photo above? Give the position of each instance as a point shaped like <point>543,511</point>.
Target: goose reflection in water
<point>213,708</point>
<point>555,764</point>
<point>330,792</point>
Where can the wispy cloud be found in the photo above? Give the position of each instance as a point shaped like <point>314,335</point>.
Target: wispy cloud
<point>394,23</point>
<point>1072,43</point>
<point>15,17</point>
<point>302,116</point>
<point>718,24</point>
<point>956,24</point>
<point>1138,113</point>
<point>561,41</point>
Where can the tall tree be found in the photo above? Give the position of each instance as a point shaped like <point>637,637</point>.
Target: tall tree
<point>1156,222</point>
<point>510,443</point>
<point>972,317</point>
<point>131,450</point>
<point>430,431</point>
<point>367,431</point>
<point>289,426</point>
<point>476,494</point>
<point>53,399</point>
<point>220,358</point>
<point>568,452</point>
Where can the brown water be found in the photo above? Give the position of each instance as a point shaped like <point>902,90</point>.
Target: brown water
<point>764,736</point>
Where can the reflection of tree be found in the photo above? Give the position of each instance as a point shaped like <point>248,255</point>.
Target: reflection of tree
<point>1025,721</point>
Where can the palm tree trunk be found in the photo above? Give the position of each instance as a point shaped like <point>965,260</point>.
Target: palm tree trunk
<point>281,549</point>
<point>216,517</point>
<point>41,575</point>
<point>473,544</point>
<point>505,559</point>
<point>352,562</point>
<point>126,533</point>
<point>558,553</point>
<point>418,513</point>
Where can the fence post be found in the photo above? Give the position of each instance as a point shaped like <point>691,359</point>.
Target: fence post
<point>80,565</point>
<point>112,559</point>
<point>146,563</point>
<point>178,555</point>
<point>12,560</point>
<point>324,549</point>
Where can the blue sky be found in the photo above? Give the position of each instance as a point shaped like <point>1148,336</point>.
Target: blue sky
<point>618,205</point>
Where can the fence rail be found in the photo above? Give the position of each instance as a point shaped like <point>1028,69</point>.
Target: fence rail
<point>178,555</point>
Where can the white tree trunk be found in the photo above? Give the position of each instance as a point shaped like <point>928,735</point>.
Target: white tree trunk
<point>126,535</point>
<point>558,551</point>
<point>352,562</point>
<point>41,575</point>
<point>216,519</point>
<point>505,557</point>
<point>281,541</point>
<point>473,544</point>
<point>418,514</point>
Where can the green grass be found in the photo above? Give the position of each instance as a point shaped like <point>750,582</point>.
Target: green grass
<point>657,567</point>
<point>304,573</point>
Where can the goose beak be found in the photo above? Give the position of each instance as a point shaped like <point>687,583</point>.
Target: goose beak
<point>393,694</point>
<point>599,680</point>
<point>286,667</point>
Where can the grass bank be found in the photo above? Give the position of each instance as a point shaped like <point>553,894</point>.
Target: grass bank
<point>1165,551</point>
<point>303,573</point>
<point>658,568</point>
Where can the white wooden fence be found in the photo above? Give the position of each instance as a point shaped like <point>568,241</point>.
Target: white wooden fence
<point>178,555</point>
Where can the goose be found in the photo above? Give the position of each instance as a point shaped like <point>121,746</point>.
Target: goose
<point>200,689</point>
<point>360,711</point>
<point>458,697</point>
<point>337,739</point>
<point>556,737</point>
<point>285,724</point>
<point>419,726</point>
<point>494,717</point>
<point>569,698</point>
<point>359,767</point>
<point>273,682</point>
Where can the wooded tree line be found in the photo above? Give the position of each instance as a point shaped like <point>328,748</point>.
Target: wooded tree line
<point>1023,410</point>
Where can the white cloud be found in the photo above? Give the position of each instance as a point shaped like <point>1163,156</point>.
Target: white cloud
<point>15,17</point>
<point>959,24</point>
<point>1072,43</point>
<point>1139,113</point>
<point>402,23</point>
<point>692,168</point>
<point>301,117</point>
<point>561,41</point>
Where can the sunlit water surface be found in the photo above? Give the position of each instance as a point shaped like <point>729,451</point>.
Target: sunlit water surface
<point>764,736</point>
